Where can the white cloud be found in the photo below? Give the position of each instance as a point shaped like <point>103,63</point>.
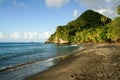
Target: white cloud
<point>101,11</point>
<point>105,11</point>
<point>18,3</point>
<point>15,35</point>
<point>56,3</point>
<point>76,14</point>
<point>2,36</point>
<point>45,35</point>
<point>35,35</point>
<point>25,36</point>
<point>30,35</point>
<point>106,7</point>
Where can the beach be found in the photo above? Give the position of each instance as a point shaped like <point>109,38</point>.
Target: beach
<point>94,62</point>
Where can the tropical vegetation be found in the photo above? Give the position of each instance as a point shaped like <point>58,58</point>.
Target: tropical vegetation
<point>90,27</point>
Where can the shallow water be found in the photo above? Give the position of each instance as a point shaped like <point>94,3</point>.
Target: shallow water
<point>20,60</point>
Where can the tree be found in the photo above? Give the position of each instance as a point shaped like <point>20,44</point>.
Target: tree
<point>86,28</point>
<point>115,25</point>
<point>104,34</point>
<point>103,19</point>
<point>118,9</point>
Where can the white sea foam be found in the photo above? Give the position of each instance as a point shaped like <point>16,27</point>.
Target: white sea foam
<point>74,45</point>
<point>50,59</point>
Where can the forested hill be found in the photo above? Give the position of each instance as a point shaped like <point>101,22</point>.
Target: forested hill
<point>89,27</point>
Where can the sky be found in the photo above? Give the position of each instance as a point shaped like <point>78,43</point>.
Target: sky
<point>36,20</point>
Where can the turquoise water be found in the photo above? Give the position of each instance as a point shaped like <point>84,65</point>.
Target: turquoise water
<point>20,60</point>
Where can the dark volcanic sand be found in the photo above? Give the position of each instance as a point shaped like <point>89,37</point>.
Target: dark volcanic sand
<point>94,62</point>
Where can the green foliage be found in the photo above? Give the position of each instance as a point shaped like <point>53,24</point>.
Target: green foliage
<point>118,9</point>
<point>103,19</point>
<point>114,30</point>
<point>90,19</point>
<point>51,39</point>
<point>88,28</point>
<point>103,34</point>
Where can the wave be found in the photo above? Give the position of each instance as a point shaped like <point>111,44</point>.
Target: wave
<point>22,65</point>
<point>25,64</point>
<point>75,45</point>
<point>15,45</point>
<point>16,54</point>
<point>79,49</point>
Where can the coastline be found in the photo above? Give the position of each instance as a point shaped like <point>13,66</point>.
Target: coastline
<point>95,61</point>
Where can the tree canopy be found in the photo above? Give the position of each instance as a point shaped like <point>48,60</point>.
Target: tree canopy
<point>89,28</point>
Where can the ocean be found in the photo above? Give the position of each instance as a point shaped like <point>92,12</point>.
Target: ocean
<point>21,60</point>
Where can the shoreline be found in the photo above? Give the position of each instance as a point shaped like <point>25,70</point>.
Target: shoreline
<point>24,70</point>
<point>93,62</point>
<point>26,64</point>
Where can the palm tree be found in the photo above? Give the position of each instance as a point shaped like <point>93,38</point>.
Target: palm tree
<point>103,19</point>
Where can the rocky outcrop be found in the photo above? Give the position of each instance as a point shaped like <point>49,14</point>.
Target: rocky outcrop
<point>60,41</point>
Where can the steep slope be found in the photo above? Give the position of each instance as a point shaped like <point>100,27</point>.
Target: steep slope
<point>87,21</point>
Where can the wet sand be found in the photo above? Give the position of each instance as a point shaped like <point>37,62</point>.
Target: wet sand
<point>94,62</point>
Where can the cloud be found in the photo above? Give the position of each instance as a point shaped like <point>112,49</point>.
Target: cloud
<point>30,35</point>
<point>56,3</point>
<point>76,14</point>
<point>2,36</point>
<point>45,35</point>
<point>15,35</point>
<point>18,3</point>
<point>105,11</point>
<point>25,36</point>
<point>106,7</point>
<point>35,35</point>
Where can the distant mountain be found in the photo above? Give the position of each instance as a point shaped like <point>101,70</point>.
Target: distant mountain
<point>87,22</point>
<point>89,19</point>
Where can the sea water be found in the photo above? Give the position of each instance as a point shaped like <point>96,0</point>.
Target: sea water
<point>20,60</point>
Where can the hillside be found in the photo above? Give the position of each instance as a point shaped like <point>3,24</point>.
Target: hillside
<point>86,28</point>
